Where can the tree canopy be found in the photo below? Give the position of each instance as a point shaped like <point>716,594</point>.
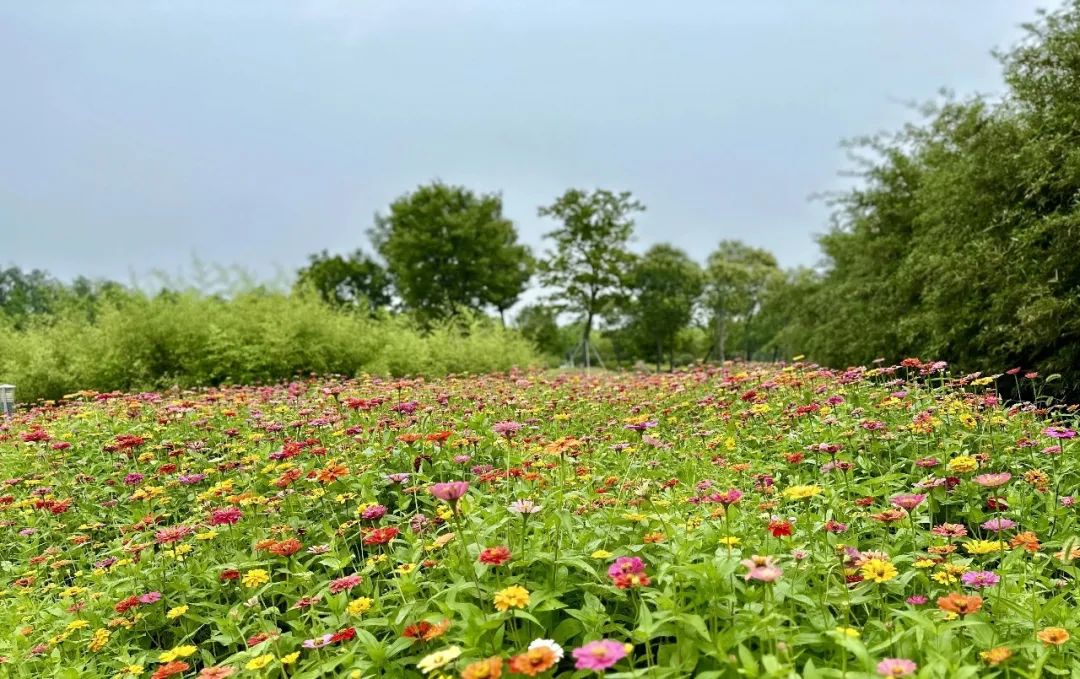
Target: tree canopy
<point>448,249</point>
<point>588,265</point>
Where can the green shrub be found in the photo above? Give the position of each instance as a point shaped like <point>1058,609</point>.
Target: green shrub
<point>189,339</point>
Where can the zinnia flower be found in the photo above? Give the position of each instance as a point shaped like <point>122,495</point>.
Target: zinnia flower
<point>980,579</point>
<point>524,507</point>
<point>999,524</point>
<point>960,604</point>
<point>996,656</point>
<point>225,517</point>
<point>495,556</point>
<point>896,667</point>
<point>345,583</point>
<point>433,661</point>
<point>514,596</point>
<point>600,655</point>
<point>761,569</point>
<point>491,668</point>
<point>533,662</point>
<point>879,571</point>
<point>992,480</point>
<point>1053,636</point>
<point>450,491</point>
<point>908,502</point>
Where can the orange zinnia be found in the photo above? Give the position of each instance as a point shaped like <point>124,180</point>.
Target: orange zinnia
<point>534,662</point>
<point>996,656</point>
<point>1027,540</point>
<point>959,603</point>
<point>1054,636</point>
<point>484,669</point>
<point>170,668</point>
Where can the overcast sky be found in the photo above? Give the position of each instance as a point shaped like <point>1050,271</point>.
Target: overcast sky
<point>135,135</point>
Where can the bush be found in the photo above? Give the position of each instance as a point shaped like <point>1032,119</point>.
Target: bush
<point>188,339</point>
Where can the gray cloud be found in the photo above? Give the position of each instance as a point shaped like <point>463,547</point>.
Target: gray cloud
<point>135,134</point>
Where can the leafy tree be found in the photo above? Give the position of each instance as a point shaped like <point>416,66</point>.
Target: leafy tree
<point>960,241</point>
<point>346,281</point>
<point>448,249</point>
<point>737,276</point>
<point>27,293</point>
<point>539,324</point>
<point>666,285</point>
<point>589,264</point>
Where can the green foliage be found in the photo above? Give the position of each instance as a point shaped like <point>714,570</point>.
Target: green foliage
<point>448,250</point>
<point>666,285</point>
<point>738,277</point>
<point>188,339</point>
<point>723,523</point>
<point>540,325</point>
<point>588,266</point>
<point>356,280</point>
<point>960,242</point>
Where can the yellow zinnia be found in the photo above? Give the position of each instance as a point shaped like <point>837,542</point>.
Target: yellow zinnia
<point>878,570</point>
<point>260,662</point>
<point>801,492</point>
<point>514,596</point>
<point>256,577</point>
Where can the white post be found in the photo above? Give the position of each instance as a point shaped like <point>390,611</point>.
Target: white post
<point>7,400</point>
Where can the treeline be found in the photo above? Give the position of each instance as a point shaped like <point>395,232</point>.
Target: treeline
<point>958,244</point>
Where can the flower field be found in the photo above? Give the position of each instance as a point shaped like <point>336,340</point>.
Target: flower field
<point>757,521</point>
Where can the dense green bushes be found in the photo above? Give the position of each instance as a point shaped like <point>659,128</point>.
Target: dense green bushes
<point>188,339</point>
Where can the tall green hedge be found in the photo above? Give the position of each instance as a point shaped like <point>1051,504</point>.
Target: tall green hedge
<point>188,339</point>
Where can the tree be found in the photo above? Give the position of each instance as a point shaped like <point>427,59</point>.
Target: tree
<point>28,293</point>
<point>346,281</point>
<point>666,284</point>
<point>737,276</point>
<point>448,249</point>
<point>959,242</point>
<point>588,266</point>
<point>539,324</point>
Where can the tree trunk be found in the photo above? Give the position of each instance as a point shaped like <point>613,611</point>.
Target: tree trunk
<point>585,339</point>
<point>659,356</point>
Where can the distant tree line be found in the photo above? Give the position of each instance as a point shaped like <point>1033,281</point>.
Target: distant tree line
<point>959,243</point>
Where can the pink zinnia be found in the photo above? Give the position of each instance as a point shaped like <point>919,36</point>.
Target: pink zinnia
<point>451,491</point>
<point>1060,433</point>
<point>506,428</point>
<point>949,530</point>
<point>999,524</point>
<point>761,568</point>
<point>344,584</point>
<point>150,597</point>
<point>980,579</point>
<point>896,667</point>
<point>992,480</point>
<point>626,565</point>
<point>908,502</point>
<point>373,512</point>
<point>225,517</point>
<point>600,655</point>
<point>172,534</point>
<point>730,497</point>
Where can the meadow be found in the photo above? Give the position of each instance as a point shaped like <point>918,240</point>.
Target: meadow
<point>738,521</point>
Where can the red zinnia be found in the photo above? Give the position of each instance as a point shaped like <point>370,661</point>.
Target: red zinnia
<point>381,536</point>
<point>495,556</point>
<point>225,517</point>
<point>779,528</point>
